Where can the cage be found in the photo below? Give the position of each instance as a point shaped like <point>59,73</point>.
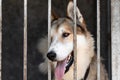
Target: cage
<point>24,22</point>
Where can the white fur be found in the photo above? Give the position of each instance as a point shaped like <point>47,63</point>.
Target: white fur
<point>85,50</point>
<point>83,57</point>
<point>43,67</point>
<point>61,49</point>
<point>64,49</point>
<point>43,48</point>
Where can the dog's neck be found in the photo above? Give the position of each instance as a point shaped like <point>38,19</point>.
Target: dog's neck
<point>83,60</point>
<point>85,52</point>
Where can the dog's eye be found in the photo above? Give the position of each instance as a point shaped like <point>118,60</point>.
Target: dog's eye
<point>65,34</point>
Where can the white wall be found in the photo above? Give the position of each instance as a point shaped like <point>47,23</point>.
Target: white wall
<point>115,28</point>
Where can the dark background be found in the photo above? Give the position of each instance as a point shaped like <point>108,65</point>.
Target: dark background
<point>12,33</point>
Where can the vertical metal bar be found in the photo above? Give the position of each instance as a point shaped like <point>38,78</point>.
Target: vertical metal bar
<point>98,39</point>
<point>49,39</point>
<point>109,40</point>
<point>115,34</point>
<point>0,37</point>
<point>25,41</point>
<point>75,43</point>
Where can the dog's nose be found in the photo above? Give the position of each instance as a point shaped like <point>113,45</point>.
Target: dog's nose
<point>51,55</point>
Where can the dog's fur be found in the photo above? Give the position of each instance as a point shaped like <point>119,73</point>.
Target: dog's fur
<point>63,46</point>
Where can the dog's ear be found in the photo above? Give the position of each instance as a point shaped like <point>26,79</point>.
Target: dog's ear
<point>70,12</point>
<point>53,16</point>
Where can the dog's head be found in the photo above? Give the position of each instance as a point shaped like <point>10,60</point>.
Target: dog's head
<point>61,47</point>
<point>62,34</point>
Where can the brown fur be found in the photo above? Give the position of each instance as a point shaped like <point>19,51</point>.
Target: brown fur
<point>85,54</point>
<point>93,65</point>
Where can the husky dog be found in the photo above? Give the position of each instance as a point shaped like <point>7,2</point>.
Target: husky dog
<point>61,54</point>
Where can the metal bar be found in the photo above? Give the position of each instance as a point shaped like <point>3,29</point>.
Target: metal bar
<point>0,38</point>
<point>109,40</point>
<point>98,39</point>
<point>115,34</point>
<point>25,41</point>
<point>75,43</point>
<point>49,39</point>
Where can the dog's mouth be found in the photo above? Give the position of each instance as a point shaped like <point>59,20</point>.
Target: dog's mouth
<point>63,66</point>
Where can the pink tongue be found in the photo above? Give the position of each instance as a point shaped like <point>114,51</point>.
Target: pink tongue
<point>60,69</point>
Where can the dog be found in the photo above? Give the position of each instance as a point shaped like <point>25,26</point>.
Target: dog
<point>61,54</point>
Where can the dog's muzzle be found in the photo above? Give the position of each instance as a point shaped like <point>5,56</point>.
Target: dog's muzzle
<point>63,66</point>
